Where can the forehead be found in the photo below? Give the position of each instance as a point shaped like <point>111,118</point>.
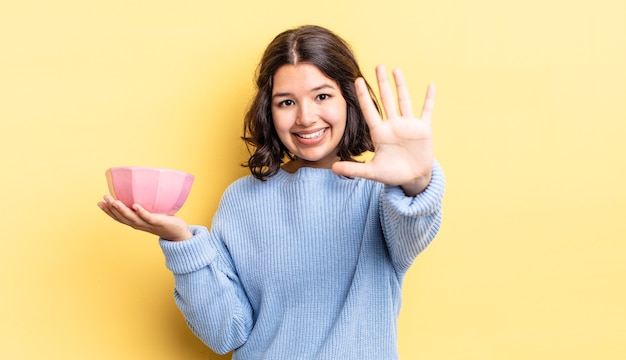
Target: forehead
<point>301,77</point>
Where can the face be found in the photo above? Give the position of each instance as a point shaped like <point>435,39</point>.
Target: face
<point>309,114</point>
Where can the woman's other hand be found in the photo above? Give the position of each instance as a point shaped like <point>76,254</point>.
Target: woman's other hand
<point>168,227</point>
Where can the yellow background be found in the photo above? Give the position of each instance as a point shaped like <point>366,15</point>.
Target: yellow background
<point>529,125</point>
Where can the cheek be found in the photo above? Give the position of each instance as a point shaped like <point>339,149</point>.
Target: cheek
<point>338,116</point>
<point>278,121</point>
<point>282,127</point>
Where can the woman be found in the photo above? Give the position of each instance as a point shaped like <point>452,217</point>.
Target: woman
<point>305,258</point>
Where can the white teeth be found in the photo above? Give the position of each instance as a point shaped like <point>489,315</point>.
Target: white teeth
<point>312,135</point>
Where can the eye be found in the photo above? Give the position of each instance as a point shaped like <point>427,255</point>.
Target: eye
<point>285,103</point>
<point>323,97</point>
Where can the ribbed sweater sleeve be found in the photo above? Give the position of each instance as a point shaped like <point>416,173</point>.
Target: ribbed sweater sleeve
<point>208,291</point>
<point>410,223</point>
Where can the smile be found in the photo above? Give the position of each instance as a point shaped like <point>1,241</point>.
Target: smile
<point>312,135</point>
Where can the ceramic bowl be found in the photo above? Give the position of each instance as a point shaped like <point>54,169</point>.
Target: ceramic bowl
<point>161,191</point>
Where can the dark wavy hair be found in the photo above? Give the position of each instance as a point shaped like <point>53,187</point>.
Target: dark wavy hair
<point>334,58</point>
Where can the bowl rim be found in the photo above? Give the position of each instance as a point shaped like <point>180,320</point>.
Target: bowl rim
<point>139,167</point>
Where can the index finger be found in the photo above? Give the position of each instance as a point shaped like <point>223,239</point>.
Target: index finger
<point>370,112</point>
<point>386,94</point>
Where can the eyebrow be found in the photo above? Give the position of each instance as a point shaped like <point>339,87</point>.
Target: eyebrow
<point>317,88</point>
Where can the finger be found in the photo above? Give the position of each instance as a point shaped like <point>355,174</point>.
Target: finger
<point>143,214</point>
<point>124,214</point>
<point>109,206</point>
<point>103,206</point>
<point>353,169</point>
<point>429,103</point>
<point>404,99</point>
<point>386,94</point>
<point>121,213</point>
<point>371,114</point>
<point>108,199</point>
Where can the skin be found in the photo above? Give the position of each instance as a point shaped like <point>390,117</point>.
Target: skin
<point>403,145</point>
<point>304,101</point>
<point>309,114</point>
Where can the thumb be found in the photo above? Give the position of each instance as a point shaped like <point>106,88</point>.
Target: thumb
<point>352,169</point>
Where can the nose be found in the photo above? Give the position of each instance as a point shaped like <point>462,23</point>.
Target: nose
<point>306,115</point>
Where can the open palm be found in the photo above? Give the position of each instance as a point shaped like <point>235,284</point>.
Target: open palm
<point>403,149</point>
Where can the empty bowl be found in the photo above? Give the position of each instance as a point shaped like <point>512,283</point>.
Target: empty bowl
<point>162,191</point>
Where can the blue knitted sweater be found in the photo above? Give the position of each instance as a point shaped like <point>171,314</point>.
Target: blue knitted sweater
<point>303,266</point>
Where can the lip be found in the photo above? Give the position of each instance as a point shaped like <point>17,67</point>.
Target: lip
<point>304,137</point>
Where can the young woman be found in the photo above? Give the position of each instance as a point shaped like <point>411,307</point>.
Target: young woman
<point>305,258</point>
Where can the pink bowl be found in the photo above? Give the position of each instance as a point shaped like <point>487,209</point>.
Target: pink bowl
<point>161,191</point>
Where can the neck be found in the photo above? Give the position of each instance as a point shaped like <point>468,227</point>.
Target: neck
<point>293,165</point>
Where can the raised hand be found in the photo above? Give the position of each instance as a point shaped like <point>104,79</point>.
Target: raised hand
<point>165,226</point>
<point>403,149</point>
